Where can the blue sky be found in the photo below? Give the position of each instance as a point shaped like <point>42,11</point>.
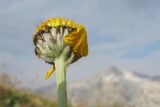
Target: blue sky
<point>122,33</point>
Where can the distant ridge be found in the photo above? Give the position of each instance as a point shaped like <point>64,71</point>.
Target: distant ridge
<point>128,89</point>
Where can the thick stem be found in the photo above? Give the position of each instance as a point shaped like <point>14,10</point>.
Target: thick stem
<point>61,81</point>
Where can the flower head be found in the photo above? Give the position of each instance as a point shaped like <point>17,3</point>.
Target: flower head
<point>58,36</point>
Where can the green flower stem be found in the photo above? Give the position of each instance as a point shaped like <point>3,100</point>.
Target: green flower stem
<point>61,81</point>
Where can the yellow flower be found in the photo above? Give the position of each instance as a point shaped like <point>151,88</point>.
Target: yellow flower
<point>70,34</point>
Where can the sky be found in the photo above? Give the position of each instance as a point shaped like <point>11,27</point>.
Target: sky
<point>122,33</point>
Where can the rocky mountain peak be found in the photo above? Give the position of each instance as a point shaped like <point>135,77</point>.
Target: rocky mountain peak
<point>129,89</point>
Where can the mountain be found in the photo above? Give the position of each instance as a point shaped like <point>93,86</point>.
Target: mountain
<point>117,87</point>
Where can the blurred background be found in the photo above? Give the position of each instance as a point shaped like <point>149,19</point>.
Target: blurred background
<point>122,68</point>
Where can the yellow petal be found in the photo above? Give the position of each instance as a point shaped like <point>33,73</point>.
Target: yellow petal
<point>49,73</point>
<point>78,41</point>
